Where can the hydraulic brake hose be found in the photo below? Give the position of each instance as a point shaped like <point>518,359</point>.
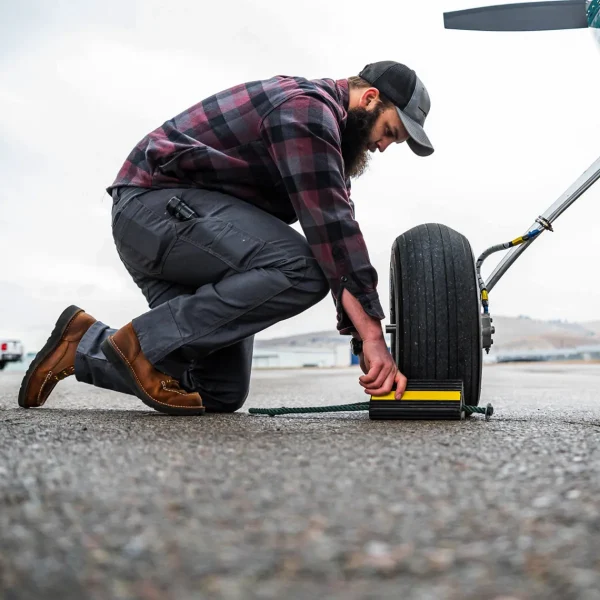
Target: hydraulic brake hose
<point>497,248</point>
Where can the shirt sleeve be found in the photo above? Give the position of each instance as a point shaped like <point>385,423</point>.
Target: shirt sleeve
<point>302,136</point>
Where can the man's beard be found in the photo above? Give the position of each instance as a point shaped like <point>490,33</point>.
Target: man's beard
<point>355,139</point>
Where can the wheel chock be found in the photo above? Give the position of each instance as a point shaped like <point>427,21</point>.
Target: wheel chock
<point>422,399</point>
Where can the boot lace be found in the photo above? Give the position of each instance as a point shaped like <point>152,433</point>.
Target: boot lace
<point>171,385</point>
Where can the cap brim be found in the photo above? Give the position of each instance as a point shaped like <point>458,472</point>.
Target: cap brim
<point>418,142</point>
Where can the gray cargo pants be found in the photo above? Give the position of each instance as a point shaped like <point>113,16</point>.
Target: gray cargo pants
<point>211,283</point>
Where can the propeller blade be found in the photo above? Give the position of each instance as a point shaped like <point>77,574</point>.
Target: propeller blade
<point>528,16</point>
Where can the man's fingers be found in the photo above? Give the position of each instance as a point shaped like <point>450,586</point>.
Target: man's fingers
<point>401,382</point>
<point>382,372</point>
<point>384,379</point>
<point>383,385</point>
<point>394,377</point>
<point>371,376</point>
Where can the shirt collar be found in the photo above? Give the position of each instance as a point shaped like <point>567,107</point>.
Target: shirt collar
<point>344,94</point>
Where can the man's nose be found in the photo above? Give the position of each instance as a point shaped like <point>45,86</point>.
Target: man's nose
<point>382,145</point>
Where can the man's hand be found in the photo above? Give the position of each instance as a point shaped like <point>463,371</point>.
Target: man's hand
<point>380,370</point>
<point>363,364</point>
<point>378,365</point>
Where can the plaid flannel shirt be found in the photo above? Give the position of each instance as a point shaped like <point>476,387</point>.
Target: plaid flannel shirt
<point>276,144</point>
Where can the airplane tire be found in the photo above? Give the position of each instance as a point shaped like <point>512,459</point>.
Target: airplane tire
<point>436,307</point>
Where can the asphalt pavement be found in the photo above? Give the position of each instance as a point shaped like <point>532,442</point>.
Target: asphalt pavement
<point>102,498</point>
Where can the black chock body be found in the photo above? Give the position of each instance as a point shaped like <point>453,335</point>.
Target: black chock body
<point>422,399</point>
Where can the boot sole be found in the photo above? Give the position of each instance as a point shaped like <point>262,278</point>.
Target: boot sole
<point>116,359</point>
<point>50,346</point>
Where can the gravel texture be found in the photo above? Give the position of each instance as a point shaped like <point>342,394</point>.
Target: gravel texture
<point>101,498</point>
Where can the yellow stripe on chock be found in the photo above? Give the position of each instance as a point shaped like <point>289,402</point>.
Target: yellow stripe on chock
<point>422,395</point>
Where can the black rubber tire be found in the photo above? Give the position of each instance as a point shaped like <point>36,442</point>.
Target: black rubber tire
<point>2,365</point>
<point>435,305</point>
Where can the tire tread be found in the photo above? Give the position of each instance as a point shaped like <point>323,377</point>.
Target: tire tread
<point>437,314</point>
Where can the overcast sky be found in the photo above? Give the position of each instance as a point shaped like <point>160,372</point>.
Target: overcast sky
<point>512,121</point>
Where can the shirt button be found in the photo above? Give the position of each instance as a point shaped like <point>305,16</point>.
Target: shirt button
<point>344,279</point>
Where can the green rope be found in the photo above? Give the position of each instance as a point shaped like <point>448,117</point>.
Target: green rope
<point>360,406</point>
<point>482,410</point>
<point>309,409</point>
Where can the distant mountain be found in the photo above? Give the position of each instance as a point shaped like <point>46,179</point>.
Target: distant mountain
<point>512,333</point>
<point>593,326</point>
<point>523,333</point>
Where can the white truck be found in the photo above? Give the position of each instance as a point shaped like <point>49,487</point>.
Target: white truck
<point>10,351</point>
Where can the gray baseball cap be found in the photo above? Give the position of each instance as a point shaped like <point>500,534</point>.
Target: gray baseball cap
<point>400,85</point>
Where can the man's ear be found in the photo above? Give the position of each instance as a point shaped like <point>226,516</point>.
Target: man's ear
<point>368,97</point>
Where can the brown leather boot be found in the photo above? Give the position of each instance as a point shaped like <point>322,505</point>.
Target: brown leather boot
<point>56,360</point>
<point>152,387</point>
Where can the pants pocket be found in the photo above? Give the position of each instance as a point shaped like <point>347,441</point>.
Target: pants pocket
<point>225,241</point>
<point>143,239</point>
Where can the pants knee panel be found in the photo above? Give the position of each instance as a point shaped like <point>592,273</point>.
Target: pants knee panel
<point>224,403</point>
<point>304,272</point>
